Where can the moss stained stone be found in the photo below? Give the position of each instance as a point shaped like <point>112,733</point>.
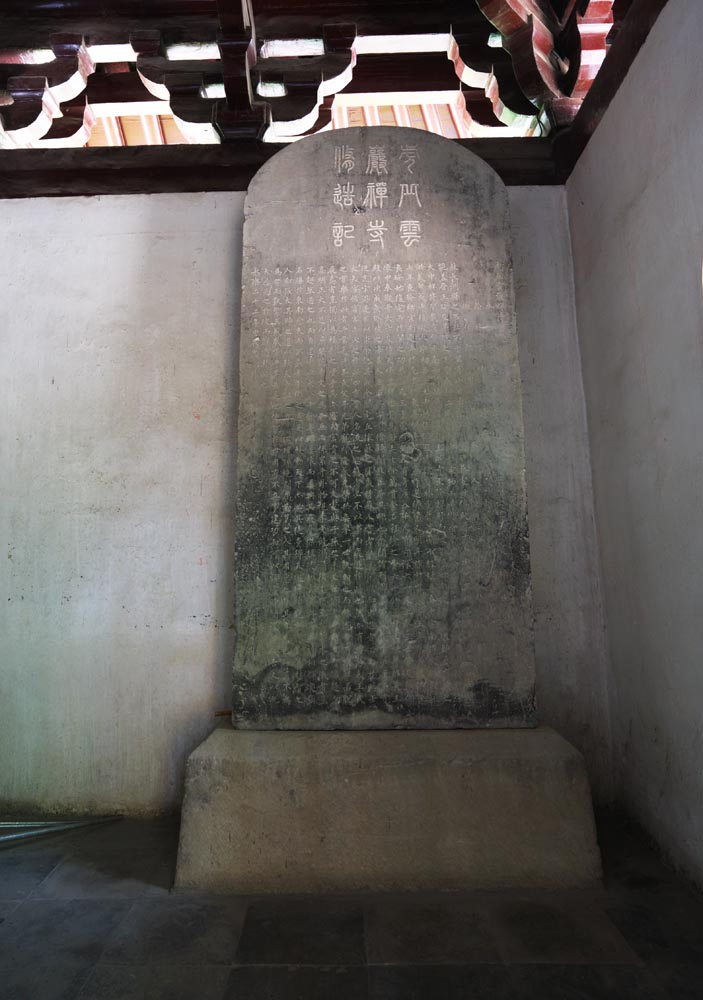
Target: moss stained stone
<point>382,563</point>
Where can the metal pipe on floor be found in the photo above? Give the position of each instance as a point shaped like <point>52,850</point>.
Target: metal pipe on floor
<point>26,829</point>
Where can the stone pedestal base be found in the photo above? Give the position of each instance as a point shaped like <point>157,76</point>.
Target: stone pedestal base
<point>311,812</point>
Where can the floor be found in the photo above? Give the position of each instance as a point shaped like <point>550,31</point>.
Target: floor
<point>89,916</point>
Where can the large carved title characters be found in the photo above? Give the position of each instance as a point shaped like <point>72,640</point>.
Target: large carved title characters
<point>376,198</point>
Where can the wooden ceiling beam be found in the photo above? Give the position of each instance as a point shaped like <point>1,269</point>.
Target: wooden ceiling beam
<point>108,9</point>
<point>23,33</point>
<point>28,25</point>
<point>227,167</point>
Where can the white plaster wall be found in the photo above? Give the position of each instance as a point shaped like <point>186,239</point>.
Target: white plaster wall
<point>118,322</point>
<point>570,642</point>
<point>636,213</point>
<point>119,341</point>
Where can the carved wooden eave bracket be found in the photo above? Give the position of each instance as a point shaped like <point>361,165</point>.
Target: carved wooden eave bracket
<point>555,58</point>
<point>273,71</point>
<point>32,95</point>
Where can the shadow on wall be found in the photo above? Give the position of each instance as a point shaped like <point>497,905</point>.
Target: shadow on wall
<point>225,600</point>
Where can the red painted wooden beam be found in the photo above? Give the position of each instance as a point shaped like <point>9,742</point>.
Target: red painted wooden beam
<point>633,32</point>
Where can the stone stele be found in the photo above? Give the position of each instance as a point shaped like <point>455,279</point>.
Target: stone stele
<point>382,561</point>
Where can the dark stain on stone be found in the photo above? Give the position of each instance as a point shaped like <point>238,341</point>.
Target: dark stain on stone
<point>350,530</point>
<point>281,690</point>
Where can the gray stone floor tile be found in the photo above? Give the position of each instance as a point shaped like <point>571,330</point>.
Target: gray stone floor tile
<point>297,983</point>
<point>681,981</point>
<point>414,931</point>
<point>556,928</point>
<point>124,875</point>
<point>156,982</point>
<point>662,925</point>
<point>441,982</point>
<point>23,868</point>
<point>48,979</point>
<point>7,906</point>
<point>72,931</point>
<point>99,896</point>
<point>584,982</point>
<point>178,930</point>
<point>302,932</point>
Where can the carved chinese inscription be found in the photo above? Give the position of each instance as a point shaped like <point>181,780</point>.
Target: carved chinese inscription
<point>382,570</point>
<point>408,231</point>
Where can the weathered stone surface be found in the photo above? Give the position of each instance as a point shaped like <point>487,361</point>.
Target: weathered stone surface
<point>342,811</point>
<point>382,568</point>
